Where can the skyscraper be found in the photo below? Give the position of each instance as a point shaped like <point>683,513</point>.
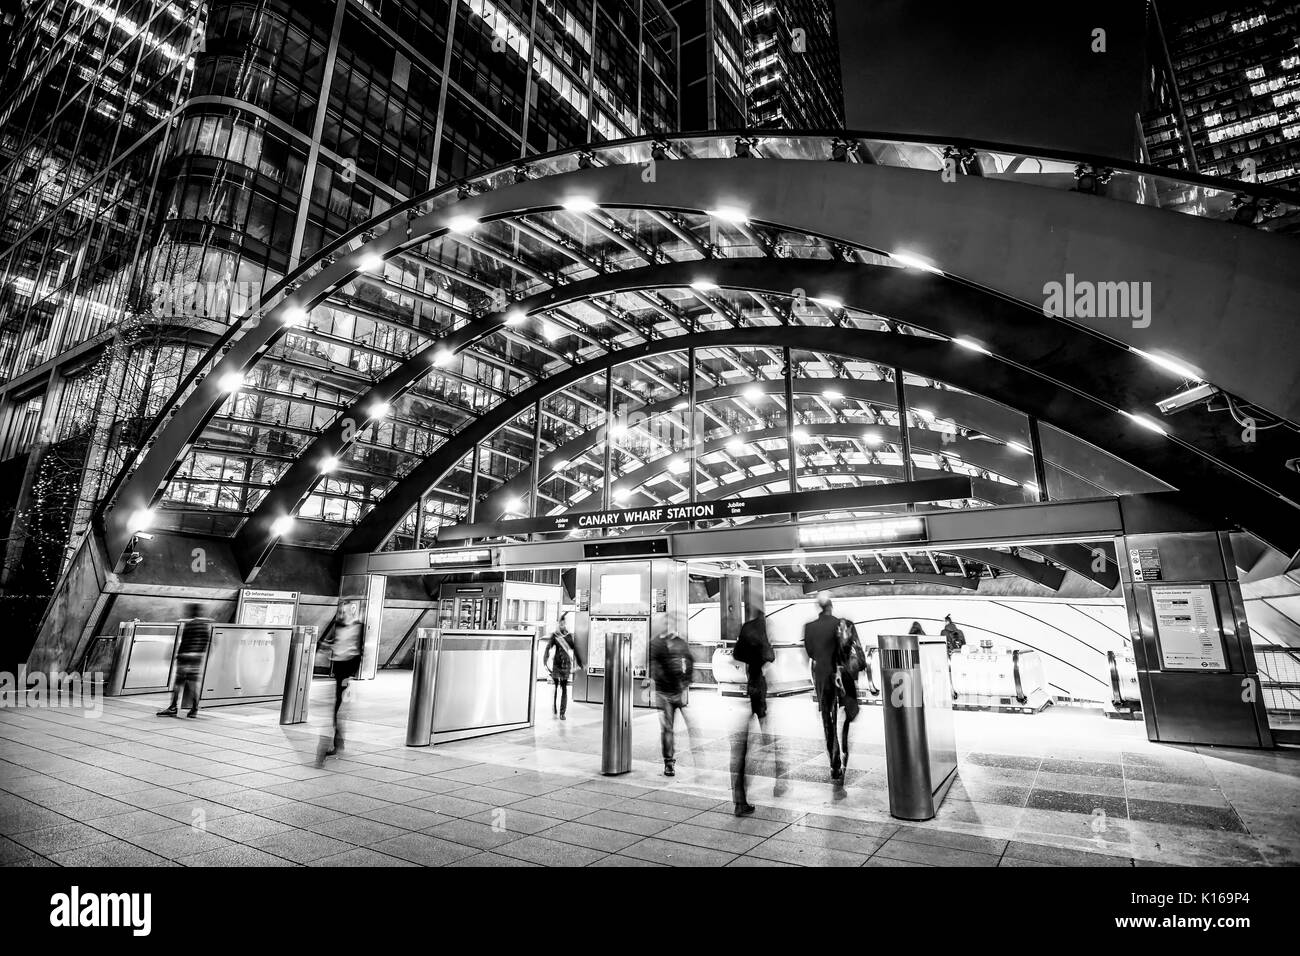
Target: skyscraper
<point>1237,67</point>
<point>792,65</point>
<point>161,164</point>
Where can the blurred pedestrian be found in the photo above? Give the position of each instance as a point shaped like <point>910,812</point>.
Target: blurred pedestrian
<point>196,637</point>
<point>558,659</point>
<point>345,644</point>
<point>953,635</point>
<point>853,660</point>
<point>821,639</point>
<point>671,669</point>
<point>754,650</point>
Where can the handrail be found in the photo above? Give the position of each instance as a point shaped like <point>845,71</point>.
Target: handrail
<point>537,162</point>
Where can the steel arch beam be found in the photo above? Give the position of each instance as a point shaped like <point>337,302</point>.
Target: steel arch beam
<point>1004,236</point>
<point>1075,359</point>
<point>1040,572</point>
<point>1079,414</point>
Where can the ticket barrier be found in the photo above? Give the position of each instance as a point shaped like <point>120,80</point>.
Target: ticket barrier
<point>788,674</point>
<point>470,683</point>
<point>143,657</point>
<point>246,663</point>
<point>1125,700</point>
<point>298,675</point>
<point>920,741</point>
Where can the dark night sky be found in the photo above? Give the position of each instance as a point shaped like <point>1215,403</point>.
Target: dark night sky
<point>1016,72</point>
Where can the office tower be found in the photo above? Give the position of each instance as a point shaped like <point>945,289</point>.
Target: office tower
<point>712,58</point>
<point>1237,67</point>
<point>161,164</point>
<point>792,65</point>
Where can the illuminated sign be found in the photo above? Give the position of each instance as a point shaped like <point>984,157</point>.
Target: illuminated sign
<point>948,488</point>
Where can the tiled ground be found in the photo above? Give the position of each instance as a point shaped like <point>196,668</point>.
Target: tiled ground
<point>235,788</point>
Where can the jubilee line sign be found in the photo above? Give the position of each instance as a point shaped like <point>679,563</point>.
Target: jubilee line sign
<point>948,488</point>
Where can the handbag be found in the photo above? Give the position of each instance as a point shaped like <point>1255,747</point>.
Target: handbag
<point>852,656</point>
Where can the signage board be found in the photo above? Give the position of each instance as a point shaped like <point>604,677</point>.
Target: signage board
<point>1187,628</point>
<point>948,488</point>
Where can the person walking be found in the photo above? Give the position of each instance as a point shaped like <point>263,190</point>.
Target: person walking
<point>821,640</point>
<point>196,637</point>
<point>345,646</point>
<point>671,669</point>
<point>559,659</point>
<point>953,635</point>
<point>754,650</point>
<point>853,660</point>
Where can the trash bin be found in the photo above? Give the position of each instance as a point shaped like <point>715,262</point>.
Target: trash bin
<point>616,729</point>
<point>298,674</point>
<point>424,673</point>
<point>920,745</point>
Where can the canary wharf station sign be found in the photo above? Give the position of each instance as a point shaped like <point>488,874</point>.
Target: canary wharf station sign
<point>947,488</point>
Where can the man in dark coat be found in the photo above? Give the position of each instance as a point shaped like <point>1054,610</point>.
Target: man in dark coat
<point>558,659</point>
<point>821,641</point>
<point>196,635</point>
<point>671,669</point>
<point>754,650</point>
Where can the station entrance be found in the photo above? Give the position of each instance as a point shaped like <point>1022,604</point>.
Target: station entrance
<point>1128,609</point>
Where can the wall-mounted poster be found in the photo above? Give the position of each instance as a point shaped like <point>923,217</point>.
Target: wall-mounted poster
<point>1187,628</point>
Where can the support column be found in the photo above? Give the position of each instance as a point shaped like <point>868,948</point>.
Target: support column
<point>792,453</point>
<point>904,436</point>
<point>731,607</point>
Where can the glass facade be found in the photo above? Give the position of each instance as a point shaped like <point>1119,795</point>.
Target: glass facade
<point>1238,75</point>
<point>163,164</point>
<point>792,65</point>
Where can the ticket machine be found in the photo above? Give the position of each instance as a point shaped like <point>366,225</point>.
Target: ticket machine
<point>615,598</point>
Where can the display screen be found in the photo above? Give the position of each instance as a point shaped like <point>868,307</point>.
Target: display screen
<point>620,589</point>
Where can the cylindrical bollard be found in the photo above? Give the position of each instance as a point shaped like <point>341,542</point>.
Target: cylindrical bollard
<point>907,752</point>
<point>616,731</point>
<point>419,720</point>
<point>297,674</point>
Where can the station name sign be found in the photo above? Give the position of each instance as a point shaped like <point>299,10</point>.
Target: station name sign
<point>867,496</point>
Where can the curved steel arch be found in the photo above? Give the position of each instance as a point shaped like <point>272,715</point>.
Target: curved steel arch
<point>983,242</point>
<point>1081,415</point>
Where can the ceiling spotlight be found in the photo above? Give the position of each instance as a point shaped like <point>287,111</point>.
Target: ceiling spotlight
<point>370,262</point>
<point>1016,446</point>
<point>231,382</point>
<point>872,438</point>
<point>442,356</point>
<point>735,446</point>
<point>729,214</point>
<point>925,413</point>
<point>704,285</point>
<point>579,204</point>
<point>462,224</point>
<point>551,332</point>
<point>282,525</point>
<point>294,315</point>
<point>753,393</point>
<point>328,463</point>
<point>832,394</point>
<point>621,494</point>
<point>1169,365</point>
<point>379,409</point>
<point>1145,422</point>
<point>914,262</point>
<point>515,317</point>
<point>971,345</point>
<point>560,465</point>
<point>515,506</point>
<point>677,465</point>
<point>801,435</point>
<point>829,301</point>
<point>142,520</point>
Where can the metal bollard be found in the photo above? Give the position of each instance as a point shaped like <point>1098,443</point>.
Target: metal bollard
<point>424,673</point>
<point>616,727</point>
<point>907,752</point>
<point>298,674</point>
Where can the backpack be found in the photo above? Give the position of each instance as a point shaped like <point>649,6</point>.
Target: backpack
<point>852,656</point>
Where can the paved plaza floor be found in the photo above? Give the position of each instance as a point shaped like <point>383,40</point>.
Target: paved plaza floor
<point>234,788</point>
